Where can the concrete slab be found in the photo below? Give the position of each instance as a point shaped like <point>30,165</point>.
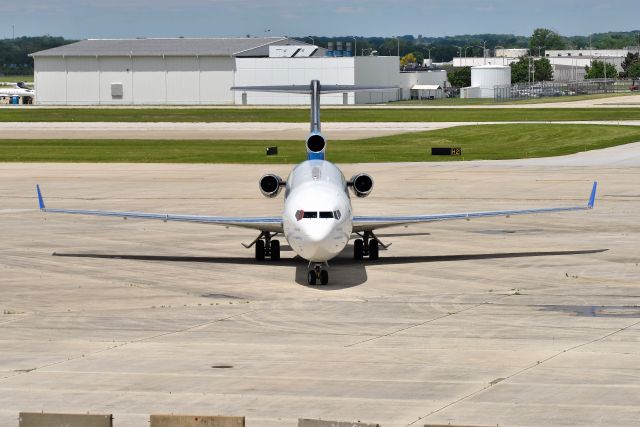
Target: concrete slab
<point>323,423</point>
<point>40,419</point>
<point>170,420</point>
<point>524,321</point>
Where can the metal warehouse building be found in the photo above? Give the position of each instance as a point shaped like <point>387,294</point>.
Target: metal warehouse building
<point>201,71</point>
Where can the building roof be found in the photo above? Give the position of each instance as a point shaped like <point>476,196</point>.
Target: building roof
<point>241,46</point>
<point>426,87</point>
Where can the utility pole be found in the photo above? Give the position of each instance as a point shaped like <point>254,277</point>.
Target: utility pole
<point>13,31</point>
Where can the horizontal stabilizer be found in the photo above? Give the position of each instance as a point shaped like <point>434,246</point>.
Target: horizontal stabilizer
<point>306,89</point>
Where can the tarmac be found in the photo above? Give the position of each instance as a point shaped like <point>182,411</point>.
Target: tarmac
<point>522,321</point>
<point>234,131</point>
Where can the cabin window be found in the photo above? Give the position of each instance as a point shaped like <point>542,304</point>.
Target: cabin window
<point>326,214</point>
<point>310,214</point>
<point>337,214</point>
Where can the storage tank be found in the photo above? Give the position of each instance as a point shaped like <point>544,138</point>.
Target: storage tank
<point>486,77</point>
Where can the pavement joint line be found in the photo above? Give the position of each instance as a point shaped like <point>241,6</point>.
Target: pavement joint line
<point>210,322</point>
<point>427,321</point>
<point>539,363</point>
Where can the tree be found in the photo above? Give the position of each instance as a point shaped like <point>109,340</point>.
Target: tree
<point>629,61</point>
<point>543,70</point>
<point>520,70</point>
<point>633,72</point>
<point>460,77</point>
<point>409,58</point>
<point>546,39</point>
<point>597,68</point>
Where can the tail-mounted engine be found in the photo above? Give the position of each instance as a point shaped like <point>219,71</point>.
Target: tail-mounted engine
<point>361,184</point>
<point>271,184</point>
<point>316,144</point>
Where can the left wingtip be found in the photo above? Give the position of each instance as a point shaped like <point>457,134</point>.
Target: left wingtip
<point>40,199</point>
<point>592,198</point>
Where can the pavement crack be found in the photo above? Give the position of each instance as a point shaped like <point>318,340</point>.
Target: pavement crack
<point>113,347</point>
<point>415,325</point>
<point>525,369</point>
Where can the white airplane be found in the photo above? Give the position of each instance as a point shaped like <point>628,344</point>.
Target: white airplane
<point>318,219</point>
<point>20,90</point>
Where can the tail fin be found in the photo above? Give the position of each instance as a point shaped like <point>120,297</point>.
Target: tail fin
<point>316,143</point>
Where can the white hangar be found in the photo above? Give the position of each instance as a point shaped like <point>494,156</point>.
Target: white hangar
<point>201,71</point>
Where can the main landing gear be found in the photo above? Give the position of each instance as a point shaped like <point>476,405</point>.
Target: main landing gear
<point>368,246</point>
<point>265,247</point>
<point>317,272</point>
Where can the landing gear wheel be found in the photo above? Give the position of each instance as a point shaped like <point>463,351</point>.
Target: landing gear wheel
<point>324,277</point>
<point>358,249</point>
<point>374,249</point>
<point>275,250</point>
<point>260,250</point>
<point>312,278</point>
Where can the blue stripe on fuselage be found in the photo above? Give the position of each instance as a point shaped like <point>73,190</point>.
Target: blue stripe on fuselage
<point>315,156</point>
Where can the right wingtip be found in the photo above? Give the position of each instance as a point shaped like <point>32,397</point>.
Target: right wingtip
<point>40,199</point>
<point>592,197</point>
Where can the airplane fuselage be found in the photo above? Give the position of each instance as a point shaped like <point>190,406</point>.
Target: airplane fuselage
<point>16,92</point>
<point>317,217</point>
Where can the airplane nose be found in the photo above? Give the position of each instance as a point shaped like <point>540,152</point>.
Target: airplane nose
<point>320,243</point>
<point>317,234</point>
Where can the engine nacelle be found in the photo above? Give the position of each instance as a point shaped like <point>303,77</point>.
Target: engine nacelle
<point>270,185</point>
<point>316,145</point>
<point>361,184</point>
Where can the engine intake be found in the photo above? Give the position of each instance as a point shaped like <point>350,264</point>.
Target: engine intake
<point>270,185</point>
<point>361,184</point>
<point>316,144</point>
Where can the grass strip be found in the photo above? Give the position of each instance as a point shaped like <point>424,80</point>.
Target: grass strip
<point>300,115</point>
<point>480,142</point>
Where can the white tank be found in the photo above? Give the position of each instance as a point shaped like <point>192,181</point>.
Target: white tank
<point>486,77</point>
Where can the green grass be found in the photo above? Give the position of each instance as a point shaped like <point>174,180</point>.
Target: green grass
<point>477,142</point>
<point>301,115</point>
<point>476,101</point>
<point>19,78</point>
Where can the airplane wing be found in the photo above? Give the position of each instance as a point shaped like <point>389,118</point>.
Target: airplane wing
<point>370,223</point>
<point>271,224</point>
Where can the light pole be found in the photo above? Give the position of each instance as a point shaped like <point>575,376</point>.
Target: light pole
<point>484,51</point>
<point>313,42</point>
<point>539,49</point>
<point>355,46</point>
<point>465,53</point>
<point>429,49</point>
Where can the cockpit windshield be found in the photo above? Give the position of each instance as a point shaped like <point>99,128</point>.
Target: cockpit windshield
<point>321,214</point>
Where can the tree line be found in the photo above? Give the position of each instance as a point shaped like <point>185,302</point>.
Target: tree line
<point>14,53</point>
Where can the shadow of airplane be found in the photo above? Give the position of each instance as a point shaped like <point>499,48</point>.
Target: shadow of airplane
<point>345,273</point>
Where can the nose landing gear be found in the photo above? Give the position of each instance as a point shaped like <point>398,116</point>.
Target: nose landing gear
<point>315,273</point>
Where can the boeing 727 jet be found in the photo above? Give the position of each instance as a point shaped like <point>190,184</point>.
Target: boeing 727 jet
<point>318,219</point>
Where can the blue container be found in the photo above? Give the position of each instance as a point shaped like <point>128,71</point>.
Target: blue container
<point>15,100</point>
<point>338,53</point>
<point>329,53</point>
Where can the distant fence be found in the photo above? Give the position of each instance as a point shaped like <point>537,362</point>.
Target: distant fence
<point>517,91</point>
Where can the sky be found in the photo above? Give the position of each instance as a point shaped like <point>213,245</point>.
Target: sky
<point>81,19</point>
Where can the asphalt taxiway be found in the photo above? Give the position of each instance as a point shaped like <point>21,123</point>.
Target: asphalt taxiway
<point>525,321</point>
